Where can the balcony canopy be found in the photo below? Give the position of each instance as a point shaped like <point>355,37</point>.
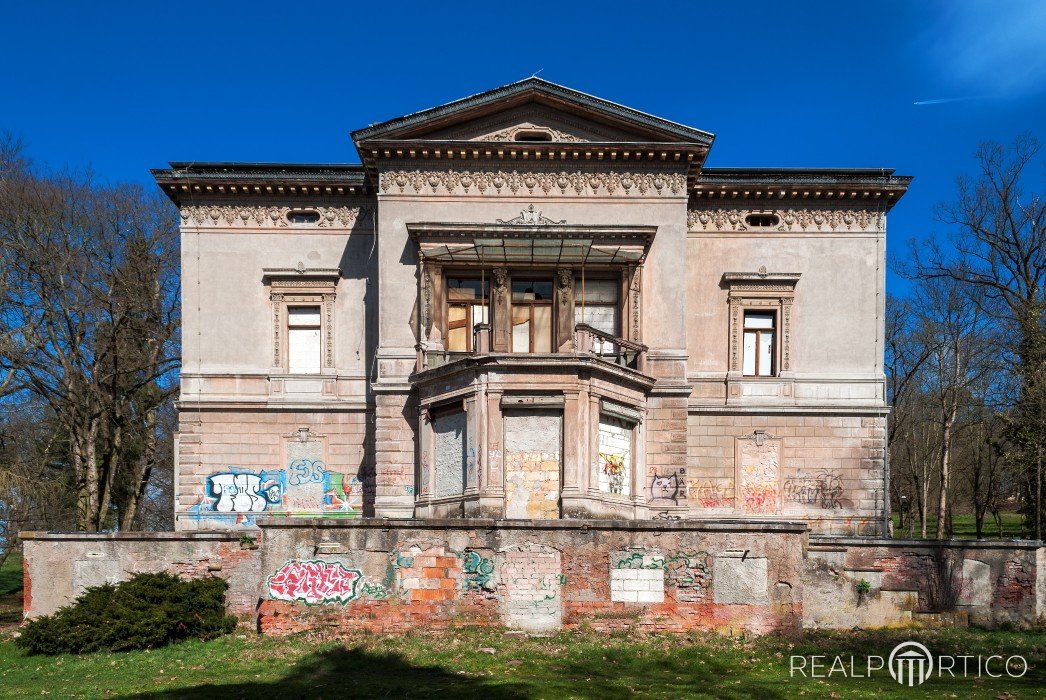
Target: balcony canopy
<point>531,244</point>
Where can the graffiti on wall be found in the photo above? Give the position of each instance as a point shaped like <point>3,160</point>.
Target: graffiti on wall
<point>314,489</point>
<point>314,582</point>
<point>759,476</point>
<point>665,489</point>
<point>821,490</point>
<point>245,492</point>
<point>615,456</point>
<point>478,570</point>
<point>691,574</point>
<point>712,493</point>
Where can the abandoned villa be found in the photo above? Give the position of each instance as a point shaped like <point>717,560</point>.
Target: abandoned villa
<point>533,343</point>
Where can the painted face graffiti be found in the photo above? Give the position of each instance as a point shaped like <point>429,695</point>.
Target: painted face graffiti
<point>314,582</point>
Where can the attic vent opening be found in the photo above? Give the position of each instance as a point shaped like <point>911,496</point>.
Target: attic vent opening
<point>533,135</point>
<point>762,220</point>
<point>301,217</point>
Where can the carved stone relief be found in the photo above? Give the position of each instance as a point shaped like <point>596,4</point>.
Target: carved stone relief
<point>733,219</point>
<point>224,216</point>
<point>563,182</point>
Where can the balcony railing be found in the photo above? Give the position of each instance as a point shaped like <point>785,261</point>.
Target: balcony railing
<point>587,340</point>
<point>609,347</point>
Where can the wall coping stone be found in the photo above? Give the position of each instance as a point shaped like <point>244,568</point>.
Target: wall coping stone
<point>191,536</point>
<point>568,524</point>
<point>836,541</point>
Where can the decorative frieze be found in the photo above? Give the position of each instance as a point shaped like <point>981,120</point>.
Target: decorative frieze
<point>561,182</point>
<point>226,216</point>
<point>733,219</point>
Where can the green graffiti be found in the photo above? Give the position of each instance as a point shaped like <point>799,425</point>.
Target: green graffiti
<point>636,561</point>
<point>478,571</point>
<point>562,579</point>
<point>690,573</point>
<point>375,591</point>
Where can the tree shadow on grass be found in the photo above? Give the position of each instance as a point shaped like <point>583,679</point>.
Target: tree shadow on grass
<point>339,673</point>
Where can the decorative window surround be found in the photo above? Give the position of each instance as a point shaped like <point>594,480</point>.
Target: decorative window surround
<point>302,286</point>
<point>760,291</point>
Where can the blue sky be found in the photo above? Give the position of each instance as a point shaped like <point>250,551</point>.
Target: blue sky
<point>124,87</point>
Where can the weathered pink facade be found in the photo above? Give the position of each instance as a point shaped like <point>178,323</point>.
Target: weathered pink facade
<point>532,304</point>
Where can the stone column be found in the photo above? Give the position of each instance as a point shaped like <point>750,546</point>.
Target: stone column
<point>500,293</point>
<point>564,305</point>
<point>574,436</point>
<point>492,488</point>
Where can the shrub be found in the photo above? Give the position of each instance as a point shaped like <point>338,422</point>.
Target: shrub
<point>144,612</point>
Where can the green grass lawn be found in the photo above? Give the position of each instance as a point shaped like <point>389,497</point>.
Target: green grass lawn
<point>11,590</point>
<point>963,527</point>
<point>478,663</point>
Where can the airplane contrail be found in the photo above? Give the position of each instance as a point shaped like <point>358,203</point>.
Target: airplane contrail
<point>947,99</point>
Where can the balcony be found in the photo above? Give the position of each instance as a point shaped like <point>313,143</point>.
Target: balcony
<point>587,341</point>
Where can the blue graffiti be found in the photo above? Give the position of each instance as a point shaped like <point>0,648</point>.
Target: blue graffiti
<point>306,471</point>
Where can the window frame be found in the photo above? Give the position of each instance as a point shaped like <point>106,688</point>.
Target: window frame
<point>470,306</point>
<point>301,288</point>
<point>766,292</point>
<point>530,305</point>
<point>774,336</point>
<point>317,326</point>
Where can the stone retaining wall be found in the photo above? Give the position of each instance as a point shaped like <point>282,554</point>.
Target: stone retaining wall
<point>60,566</point>
<point>994,582</point>
<point>666,576</point>
<point>535,575</point>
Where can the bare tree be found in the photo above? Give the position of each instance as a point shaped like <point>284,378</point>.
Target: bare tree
<point>998,247</point>
<point>89,321</point>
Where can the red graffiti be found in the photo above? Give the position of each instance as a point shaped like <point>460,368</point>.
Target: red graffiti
<point>314,582</point>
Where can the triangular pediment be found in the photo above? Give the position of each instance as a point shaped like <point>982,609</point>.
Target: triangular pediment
<point>534,121</point>
<point>533,110</point>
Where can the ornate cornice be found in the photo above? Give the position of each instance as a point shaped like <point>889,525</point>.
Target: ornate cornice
<point>562,182</point>
<point>813,219</point>
<point>232,216</point>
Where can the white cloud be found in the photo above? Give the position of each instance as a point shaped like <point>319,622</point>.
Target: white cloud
<point>996,46</point>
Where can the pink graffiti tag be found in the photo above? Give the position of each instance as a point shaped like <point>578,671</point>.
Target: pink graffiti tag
<point>314,582</point>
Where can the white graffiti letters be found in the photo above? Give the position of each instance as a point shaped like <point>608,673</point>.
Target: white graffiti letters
<point>237,493</point>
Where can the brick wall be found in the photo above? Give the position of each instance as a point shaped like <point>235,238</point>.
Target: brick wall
<point>541,576</point>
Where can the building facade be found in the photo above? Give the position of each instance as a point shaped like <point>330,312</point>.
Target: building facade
<point>532,304</point>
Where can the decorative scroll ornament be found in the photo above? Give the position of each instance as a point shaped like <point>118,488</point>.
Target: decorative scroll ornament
<point>497,182</point>
<point>268,217</point>
<point>790,220</point>
<point>554,134</point>
<point>531,217</point>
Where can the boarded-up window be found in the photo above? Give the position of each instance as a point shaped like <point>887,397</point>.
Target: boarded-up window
<point>596,304</point>
<point>303,339</point>
<point>451,457</point>
<point>615,456</point>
